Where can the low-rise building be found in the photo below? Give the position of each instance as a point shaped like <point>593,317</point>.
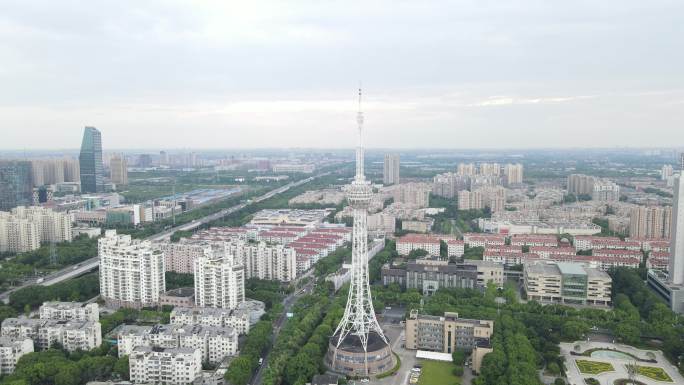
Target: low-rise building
<point>446,333</point>
<point>210,316</point>
<point>411,242</point>
<point>214,342</point>
<point>429,275</point>
<point>566,283</point>
<point>174,366</point>
<point>70,311</point>
<point>455,248</point>
<point>72,335</point>
<point>11,350</point>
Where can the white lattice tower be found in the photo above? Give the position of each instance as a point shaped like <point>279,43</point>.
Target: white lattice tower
<point>359,316</point>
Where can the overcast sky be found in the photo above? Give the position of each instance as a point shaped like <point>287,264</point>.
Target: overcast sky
<point>455,74</point>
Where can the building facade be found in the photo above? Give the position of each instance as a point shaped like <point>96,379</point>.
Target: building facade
<point>90,161</point>
<point>676,269</point>
<point>566,283</point>
<point>11,350</point>
<point>118,168</point>
<point>650,222</point>
<point>390,173</point>
<point>16,185</point>
<point>67,311</point>
<point>72,335</point>
<point>219,281</point>
<point>172,366</point>
<point>131,272</point>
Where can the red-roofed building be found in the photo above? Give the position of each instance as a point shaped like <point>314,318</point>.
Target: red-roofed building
<point>534,240</point>
<point>410,242</point>
<point>455,247</point>
<point>658,260</point>
<point>545,251</point>
<point>509,258</point>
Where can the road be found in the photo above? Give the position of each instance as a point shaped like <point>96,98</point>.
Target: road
<point>278,325</point>
<point>92,263</point>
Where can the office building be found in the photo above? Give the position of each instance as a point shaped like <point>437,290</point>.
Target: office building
<point>131,271</point>
<point>118,167</point>
<point>16,187</point>
<point>219,280</point>
<point>90,161</point>
<point>449,333</point>
<point>72,335</point>
<point>172,366</point>
<point>650,222</point>
<point>67,311</point>
<point>214,342</point>
<point>11,350</point>
<point>566,283</point>
<point>606,191</point>
<point>390,173</point>
<point>513,174</point>
<point>428,275</point>
<point>580,184</point>
<point>470,200</point>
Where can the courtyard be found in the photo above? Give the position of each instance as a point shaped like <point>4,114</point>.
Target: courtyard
<point>608,363</point>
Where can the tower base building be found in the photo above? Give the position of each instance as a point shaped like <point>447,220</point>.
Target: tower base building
<point>350,358</point>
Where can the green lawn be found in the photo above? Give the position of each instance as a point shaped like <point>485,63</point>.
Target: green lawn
<point>594,367</point>
<point>437,373</point>
<point>654,372</point>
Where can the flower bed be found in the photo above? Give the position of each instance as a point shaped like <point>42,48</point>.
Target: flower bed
<point>654,373</point>
<point>593,367</point>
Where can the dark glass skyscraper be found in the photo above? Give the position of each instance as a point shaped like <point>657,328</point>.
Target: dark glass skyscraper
<point>16,184</point>
<point>90,161</point>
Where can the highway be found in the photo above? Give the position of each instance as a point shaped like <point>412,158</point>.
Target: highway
<point>92,263</point>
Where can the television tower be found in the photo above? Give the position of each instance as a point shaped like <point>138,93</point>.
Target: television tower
<point>359,331</point>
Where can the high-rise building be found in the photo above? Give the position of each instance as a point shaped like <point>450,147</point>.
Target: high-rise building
<point>26,227</point>
<point>390,173</point>
<point>90,161</point>
<point>447,185</point>
<point>490,169</point>
<point>16,187</point>
<point>580,184</point>
<point>666,172</point>
<point>470,200</point>
<point>163,158</point>
<point>676,269</point>
<point>466,169</point>
<point>131,272</point>
<point>513,173</point>
<point>219,280</point>
<point>605,191</point>
<point>416,194</point>
<point>650,222</point>
<point>118,167</point>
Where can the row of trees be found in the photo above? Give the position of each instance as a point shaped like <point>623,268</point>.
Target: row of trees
<point>58,367</point>
<point>78,289</point>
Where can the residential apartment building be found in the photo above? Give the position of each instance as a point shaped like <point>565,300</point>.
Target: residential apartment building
<point>493,197</point>
<point>25,228</point>
<point>566,283</point>
<point>131,271</point>
<point>605,191</point>
<point>214,342</point>
<point>580,184</point>
<point>11,350</point>
<point>455,247</point>
<point>470,200</point>
<point>513,174</point>
<point>390,173</point>
<point>447,185</point>
<point>466,169</point>
<point>171,366</point>
<point>416,194</point>
<point>381,222</point>
<point>72,335</point>
<point>411,242</point>
<point>211,316</point>
<point>67,311</point>
<point>265,261</point>
<point>219,280</point>
<point>118,168</point>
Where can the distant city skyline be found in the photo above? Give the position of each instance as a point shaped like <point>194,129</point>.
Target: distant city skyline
<point>437,74</point>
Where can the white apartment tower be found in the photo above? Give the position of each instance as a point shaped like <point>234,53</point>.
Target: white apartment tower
<point>131,272</point>
<point>676,269</point>
<point>391,169</point>
<point>219,281</point>
<point>175,366</point>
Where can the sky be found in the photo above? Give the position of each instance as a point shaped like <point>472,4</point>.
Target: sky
<point>250,74</point>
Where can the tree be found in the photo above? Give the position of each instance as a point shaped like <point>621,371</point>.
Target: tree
<point>574,330</point>
<point>417,253</point>
<point>458,357</point>
<point>628,332</point>
<point>559,381</point>
<point>240,371</point>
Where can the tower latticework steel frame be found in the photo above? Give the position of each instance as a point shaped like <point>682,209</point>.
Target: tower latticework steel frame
<point>359,316</point>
